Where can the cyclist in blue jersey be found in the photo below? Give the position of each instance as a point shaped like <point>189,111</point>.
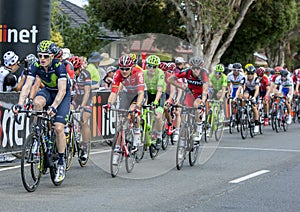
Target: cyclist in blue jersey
<point>56,95</point>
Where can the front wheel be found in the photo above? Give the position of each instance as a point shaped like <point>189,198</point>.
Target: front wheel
<point>194,152</point>
<point>165,140</point>
<point>181,148</point>
<point>84,162</point>
<point>130,159</point>
<point>115,157</point>
<point>219,126</point>
<point>244,126</point>
<point>31,164</point>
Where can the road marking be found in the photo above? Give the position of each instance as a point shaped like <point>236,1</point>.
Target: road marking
<point>255,174</point>
<point>99,152</point>
<point>9,168</point>
<point>253,148</point>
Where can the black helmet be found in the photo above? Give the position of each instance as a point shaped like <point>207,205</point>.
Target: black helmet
<point>237,66</point>
<point>251,69</point>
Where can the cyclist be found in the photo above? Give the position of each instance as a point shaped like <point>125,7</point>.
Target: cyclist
<point>233,81</point>
<point>156,87</point>
<point>218,82</point>
<point>82,100</point>
<point>135,59</point>
<point>264,91</point>
<point>197,80</point>
<point>56,94</point>
<point>132,79</point>
<point>284,84</point>
<point>250,85</point>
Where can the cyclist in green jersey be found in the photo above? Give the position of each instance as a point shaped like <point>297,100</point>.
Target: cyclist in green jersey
<point>156,86</point>
<point>218,82</point>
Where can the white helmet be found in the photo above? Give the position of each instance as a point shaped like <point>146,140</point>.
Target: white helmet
<point>10,58</point>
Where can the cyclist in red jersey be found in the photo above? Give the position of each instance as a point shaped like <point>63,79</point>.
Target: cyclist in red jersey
<point>197,80</point>
<point>264,91</point>
<point>132,80</point>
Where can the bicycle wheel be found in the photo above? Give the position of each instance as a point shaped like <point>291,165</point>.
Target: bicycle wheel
<point>83,163</point>
<point>129,160</point>
<point>231,124</point>
<point>69,152</point>
<point>194,151</point>
<point>208,128</point>
<point>153,150</point>
<point>244,126</point>
<point>165,140</point>
<point>273,120</point>
<point>53,169</point>
<point>284,124</point>
<point>140,152</point>
<point>219,126</point>
<point>31,165</point>
<point>261,122</point>
<point>181,148</point>
<point>115,167</point>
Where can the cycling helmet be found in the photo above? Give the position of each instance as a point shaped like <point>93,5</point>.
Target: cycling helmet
<point>196,61</point>
<point>153,60</point>
<point>278,69</point>
<point>250,69</point>
<point>219,68</point>
<point>58,54</point>
<point>248,65</point>
<point>163,66</point>
<point>172,66</point>
<point>237,66</point>
<point>76,62</point>
<point>47,46</point>
<point>133,56</point>
<point>31,58</point>
<point>10,58</point>
<point>126,61</point>
<point>284,73</point>
<point>260,71</point>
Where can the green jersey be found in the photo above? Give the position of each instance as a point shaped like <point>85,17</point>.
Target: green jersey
<point>217,84</point>
<point>158,80</point>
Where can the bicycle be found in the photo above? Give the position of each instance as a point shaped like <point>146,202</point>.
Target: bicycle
<point>73,138</point>
<point>39,151</point>
<point>234,120</point>
<point>147,120</point>
<point>214,122</point>
<point>124,137</point>
<point>186,143</point>
<point>280,114</point>
<point>169,128</point>
<point>247,119</point>
<point>295,108</point>
<point>261,115</point>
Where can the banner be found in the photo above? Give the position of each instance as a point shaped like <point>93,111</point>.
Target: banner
<point>23,24</point>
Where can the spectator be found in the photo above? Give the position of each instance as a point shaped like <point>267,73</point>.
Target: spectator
<point>105,62</point>
<point>107,80</point>
<point>93,64</point>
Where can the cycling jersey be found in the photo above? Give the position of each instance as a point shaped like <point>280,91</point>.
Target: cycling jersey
<point>217,84</point>
<point>235,80</point>
<point>167,76</point>
<point>84,79</point>
<point>284,84</point>
<point>133,83</point>
<point>69,68</point>
<point>264,83</point>
<point>195,84</point>
<point>4,72</point>
<point>55,72</point>
<point>157,80</point>
<point>296,76</point>
<point>250,85</point>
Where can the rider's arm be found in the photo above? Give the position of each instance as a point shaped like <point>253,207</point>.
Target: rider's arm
<point>256,91</point>
<point>25,90</point>
<point>140,98</point>
<point>62,84</point>
<point>204,92</point>
<point>173,81</point>
<point>86,96</point>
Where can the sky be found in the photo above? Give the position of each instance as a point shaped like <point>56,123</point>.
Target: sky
<point>79,2</point>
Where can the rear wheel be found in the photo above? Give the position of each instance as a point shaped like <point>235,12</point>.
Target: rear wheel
<point>165,140</point>
<point>54,161</point>
<point>194,152</point>
<point>153,150</point>
<point>181,148</point>
<point>31,164</point>
<point>208,128</point>
<point>69,152</point>
<point>219,126</point>
<point>115,165</point>
<point>244,126</point>
<point>130,160</point>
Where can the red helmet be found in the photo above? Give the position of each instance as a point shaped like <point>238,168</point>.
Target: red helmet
<point>126,61</point>
<point>278,69</point>
<point>172,66</point>
<point>260,71</point>
<point>76,62</point>
<point>163,66</point>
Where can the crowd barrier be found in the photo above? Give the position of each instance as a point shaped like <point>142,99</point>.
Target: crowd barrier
<point>13,135</point>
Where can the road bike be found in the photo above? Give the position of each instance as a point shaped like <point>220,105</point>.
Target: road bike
<point>280,114</point>
<point>39,150</point>
<point>148,142</point>
<point>234,120</point>
<point>247,119</point>
<point>186,144</point>
<point>214,122</point>
<point>123,138</point>
<point>73,139</point>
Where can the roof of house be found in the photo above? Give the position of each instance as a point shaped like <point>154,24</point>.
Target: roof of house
<point>78,16</point>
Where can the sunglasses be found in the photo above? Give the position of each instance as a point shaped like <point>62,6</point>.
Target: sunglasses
<point>124,68</point>
<point>151,66</point>
<point>250,73</point>
<point>218,73</point>
<point>236,69</point>
<point>45,56</point>
<point>196,68</point>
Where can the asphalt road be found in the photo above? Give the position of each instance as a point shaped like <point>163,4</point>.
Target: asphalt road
<point>256,174</point>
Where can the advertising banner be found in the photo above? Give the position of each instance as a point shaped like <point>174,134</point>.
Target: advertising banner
<point>23,24</point>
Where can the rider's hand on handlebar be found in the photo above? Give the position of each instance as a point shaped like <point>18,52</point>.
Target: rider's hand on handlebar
<point>52,111</point>
<point>16,108</point>
<point>107,108</point>
<point>29,104</point>
<point>137,110</point>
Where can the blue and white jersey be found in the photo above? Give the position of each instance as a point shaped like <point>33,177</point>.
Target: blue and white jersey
<point>235,80</point>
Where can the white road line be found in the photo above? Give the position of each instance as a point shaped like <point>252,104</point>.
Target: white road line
<point>253,148</point>
<point>255,174</point>
<point>9,168</point>
<point>99,152</point>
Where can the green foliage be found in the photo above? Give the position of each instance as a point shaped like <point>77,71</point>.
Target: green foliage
<point>265,23</point>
